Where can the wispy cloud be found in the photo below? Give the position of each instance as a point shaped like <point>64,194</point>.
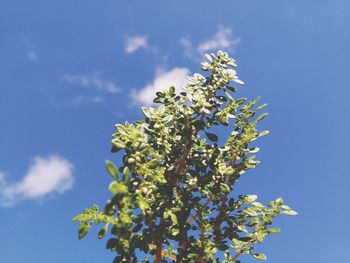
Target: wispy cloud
<point>134,43</point>
<point>32,56</point>
<point>223,39</point>
<point>94,80</point>
<point>45,177</point>
<point>163,80</point>
<point>82,99</point>
<point>188,47</point>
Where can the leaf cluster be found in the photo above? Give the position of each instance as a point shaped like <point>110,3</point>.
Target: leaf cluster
<point>173,197</point>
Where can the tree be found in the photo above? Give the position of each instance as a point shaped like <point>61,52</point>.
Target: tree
<point>173,198</point>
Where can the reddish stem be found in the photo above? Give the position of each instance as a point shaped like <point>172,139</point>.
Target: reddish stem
<point>236,257</point>
<point>159,252</point>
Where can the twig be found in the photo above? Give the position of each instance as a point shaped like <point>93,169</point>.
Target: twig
<point>190,221</point>
<point>233,163</point>
<point>182,161</point>
<point>241,251</point>
<point>236,256</point>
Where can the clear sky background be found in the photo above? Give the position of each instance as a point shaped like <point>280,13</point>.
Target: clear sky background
<point>70,70</point>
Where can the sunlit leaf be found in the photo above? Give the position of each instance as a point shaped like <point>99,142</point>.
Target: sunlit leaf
<point>112,169</point>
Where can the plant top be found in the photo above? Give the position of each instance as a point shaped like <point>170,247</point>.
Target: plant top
<point>173,197</point>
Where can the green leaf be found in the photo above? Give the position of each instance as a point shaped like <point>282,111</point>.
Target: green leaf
<point>257,99</point>
<point>241,101</point>
<point>114,149</point>
<point>289,212</point>
<point>286,207</point>
<point>259,238</point>
<point>112,169</point>
<point>143,205</point>
<point>83,229</point>
<point>212,136</point>
<point>229,171</point>
<point>233,89</point>
<point>257,204</point>
<point>231,202</point>
<point>221,98</point>
<point>102,233</point>
<point>126,171</point>
<point>137,228</point>
<point>160,94</point>
<point>274,230</point>
<point>79,217</point>
<point>118,144</point>
<point>244,239</point>
<point>112,243</point>
<point>261,106</point>
<point>224,188</point>
<point>205,110</point>
<point>209,57</point>
<point>251,198</point>
<point>238,81</point>
<point>263,133</point>
<point>229,96</point>
<point>174,219</point>
<point>172,89</point>
<point>157,100</point>
<point>260,256</point>
<point>117,188</point>
<point>242,228</point>
<point>254,150</point>
<point>250,212</point>
<point>131,160</point>
<point>146,112</point>
<point>262,116</point>
<point>125,218</point>
<point>175,231</point>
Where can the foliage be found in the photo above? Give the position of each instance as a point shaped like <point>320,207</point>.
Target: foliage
<point>173,198</point>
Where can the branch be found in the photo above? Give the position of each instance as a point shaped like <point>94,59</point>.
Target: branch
<point>159,244</point>
<point>159,252</point>
<point>181,165</point>
<point>233,163</point>
<point>155,241</point>
<point>193,218</point>
<point>241,251</point>
<point>182,161</point>
<point>218,218</point>
<point>168,255</point>
<point>236,256</point>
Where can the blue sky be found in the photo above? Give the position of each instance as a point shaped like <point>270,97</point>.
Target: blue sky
<point>70,70</point>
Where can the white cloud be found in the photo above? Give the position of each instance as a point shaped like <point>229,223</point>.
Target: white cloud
<point>33,56</point>
<point>2,180</point>
<point>176,77</point>
<point>187,44</point>
<point>93,80</point>
<point>134,43</point>
<point>46,176</point>
<point>221,40</point>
